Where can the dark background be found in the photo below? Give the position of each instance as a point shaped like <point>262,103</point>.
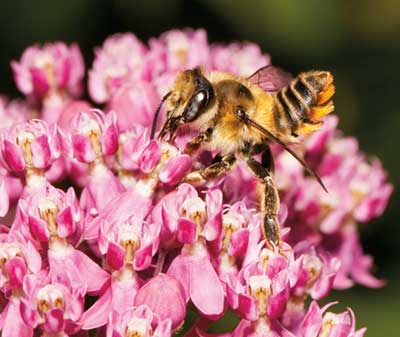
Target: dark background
<point>357,40</point>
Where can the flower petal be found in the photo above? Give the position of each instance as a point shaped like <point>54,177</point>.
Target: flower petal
<point>175,169</point>
<point>209,300</point>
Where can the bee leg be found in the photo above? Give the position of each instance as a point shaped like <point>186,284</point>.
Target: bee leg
<point>194,145</point>
<point>268,198</point>
<point>212,171</point>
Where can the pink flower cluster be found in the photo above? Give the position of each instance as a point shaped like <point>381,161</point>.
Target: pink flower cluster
<point>100,234</point>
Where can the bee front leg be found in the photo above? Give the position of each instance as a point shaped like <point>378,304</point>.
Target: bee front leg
<point>194,145</point>
<point>211,172</point>
<point>268,198</point>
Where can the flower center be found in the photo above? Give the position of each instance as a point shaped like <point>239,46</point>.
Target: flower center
<point>48,211</point>
<point>195,209</point>
<point>260,289</point>
<point>7,252</point>
<point>328,322</point>
<point>50,297</point>
<point>24,140</point>
<point>231,222</point>
<point>137,327</point>
<point>129,238</point>
<point>314,266</point>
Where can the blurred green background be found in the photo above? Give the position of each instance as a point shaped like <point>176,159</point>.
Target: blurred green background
<point>357,40</point>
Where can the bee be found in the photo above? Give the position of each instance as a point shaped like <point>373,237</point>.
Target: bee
<point>240,117</point>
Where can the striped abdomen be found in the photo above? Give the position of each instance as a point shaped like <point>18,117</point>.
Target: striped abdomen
<point>300,106</point>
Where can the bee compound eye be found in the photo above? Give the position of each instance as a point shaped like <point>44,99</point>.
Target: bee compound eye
<point>200,96</point>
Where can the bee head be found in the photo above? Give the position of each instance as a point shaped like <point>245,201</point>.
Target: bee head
<point>190,97</point>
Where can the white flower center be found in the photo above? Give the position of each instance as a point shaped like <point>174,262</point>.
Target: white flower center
<point>50,297</point>
<point>137,327</point>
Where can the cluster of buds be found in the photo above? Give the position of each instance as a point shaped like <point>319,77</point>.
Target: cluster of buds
<point>124,246</point>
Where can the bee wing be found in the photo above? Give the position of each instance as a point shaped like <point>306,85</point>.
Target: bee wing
<point>275,139</point>
<point>270,78</point>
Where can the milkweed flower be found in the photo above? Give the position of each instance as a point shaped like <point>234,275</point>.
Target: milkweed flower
<point>122,246</point>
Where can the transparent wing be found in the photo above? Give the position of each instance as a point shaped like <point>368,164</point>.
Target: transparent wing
<point>275,139</point>
<point>270,78</point>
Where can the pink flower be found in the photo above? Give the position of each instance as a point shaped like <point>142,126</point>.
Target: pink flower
<point>120,60</point>
<point>128,245</point>
<point>51,219</point>
<point>140,321</point>
<point>165,296</point>
<point>54,307</point>
<point>53,67</point>
<point>124,238</point>
<point>134,104</point>
<point>11,112</point>
<point>93,136</point>
<point>240,59</point>
<point>180,50</point>
<point>17,258</point>
<point>29,145</point>
<point>319,322</point>
<point>143,242</point>
<point>358,192</point>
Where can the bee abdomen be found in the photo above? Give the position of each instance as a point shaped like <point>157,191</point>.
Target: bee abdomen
<point>301,105</point>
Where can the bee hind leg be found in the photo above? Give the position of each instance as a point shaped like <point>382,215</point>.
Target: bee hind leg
<point>268,197</point>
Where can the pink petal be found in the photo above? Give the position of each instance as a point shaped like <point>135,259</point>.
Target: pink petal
<point>95,277</point>
<point>109,140</point>
<point>4,199</point>
<point>186,231</point>
<point>135,104</point>
<point>163,329</point>
<point>22,78</point>
<point>239,242</point>
<point>209,300</point>
<point>173,172</point>
<point>16,271</point>
<point>41,152</point>
<point>164,295</point>
<point>97,314</point>
<point>312,322</point>
<point>83,150</point>
<point>333,221</point>
<point>169,221</point>
<point>65,223</point>
<point>115,257</point>
<point>33,258</point>
<point>38,228</point>
<point>180,269</point>
<point>150,157</point>
<point>143,257</point>
<point>277,303</point>
<point>54,321</point>
<point>13,156</point>
<point>30,315</point>
<point>14,326</point>
<point>39,81</point>
<point>247,307</point>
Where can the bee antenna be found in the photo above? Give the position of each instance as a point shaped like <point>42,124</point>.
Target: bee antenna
<point>155,118</point>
